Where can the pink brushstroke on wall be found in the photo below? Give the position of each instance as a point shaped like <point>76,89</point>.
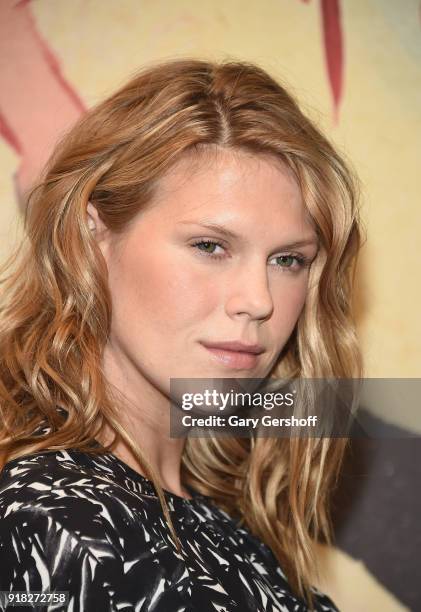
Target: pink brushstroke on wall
<point>332,36</point>
<point>37,103</point>
<point>330,11</point>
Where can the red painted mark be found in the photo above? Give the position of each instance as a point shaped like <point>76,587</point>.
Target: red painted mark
<point>332,35</point>
<point>37,103</point>
<point>53,63</point>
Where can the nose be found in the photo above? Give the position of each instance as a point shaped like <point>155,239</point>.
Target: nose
<point>249,292</point>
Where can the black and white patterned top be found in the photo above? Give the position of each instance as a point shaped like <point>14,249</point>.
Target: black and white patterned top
<point>93,526</point>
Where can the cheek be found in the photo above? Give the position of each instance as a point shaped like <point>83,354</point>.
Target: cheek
<point>287,308</point>
<point>159,290</point>
<point>179,298</point>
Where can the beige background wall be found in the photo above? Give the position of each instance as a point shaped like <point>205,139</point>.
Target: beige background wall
<point>100,43</point>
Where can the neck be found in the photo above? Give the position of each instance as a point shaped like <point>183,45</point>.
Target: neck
<point>147,421</point>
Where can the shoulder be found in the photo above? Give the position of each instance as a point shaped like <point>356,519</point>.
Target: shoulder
<point>52,472</point>
<point>31,478</point>
<point>47,487</point>
<point>42,479</point>
<point>71,522</point>
<point>71,489</point>
<point>54,531</point>
<point>61,523</point>
<point>42,467</point>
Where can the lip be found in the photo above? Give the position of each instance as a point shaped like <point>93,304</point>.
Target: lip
<point>234,354</point>
<point>235,345</point>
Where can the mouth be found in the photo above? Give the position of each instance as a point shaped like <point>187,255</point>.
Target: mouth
<point>235,355</point>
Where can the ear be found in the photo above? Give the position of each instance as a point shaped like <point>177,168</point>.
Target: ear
<point>99,230</point>
<point>97,227</point>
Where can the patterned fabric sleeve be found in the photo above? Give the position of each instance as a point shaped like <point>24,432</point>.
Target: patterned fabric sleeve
<point>38,554</point>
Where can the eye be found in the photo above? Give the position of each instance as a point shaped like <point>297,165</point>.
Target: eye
<point>286,262</point>
<point>208,247</point>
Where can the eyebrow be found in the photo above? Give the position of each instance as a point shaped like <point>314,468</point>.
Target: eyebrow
<point>311,240</point>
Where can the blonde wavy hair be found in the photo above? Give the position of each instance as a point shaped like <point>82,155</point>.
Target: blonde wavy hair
<point>55,307</point>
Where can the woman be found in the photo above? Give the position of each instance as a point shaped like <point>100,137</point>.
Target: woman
<point>195,207</point>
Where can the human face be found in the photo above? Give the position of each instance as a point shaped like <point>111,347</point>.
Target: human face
<point>177,286</point>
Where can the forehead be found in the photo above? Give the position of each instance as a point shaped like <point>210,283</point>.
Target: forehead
<point>233,184</point>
